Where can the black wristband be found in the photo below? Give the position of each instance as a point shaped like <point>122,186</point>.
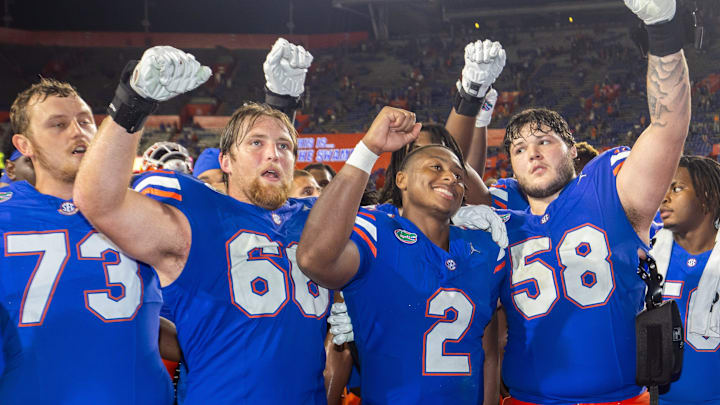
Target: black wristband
<point>286,104</point>
<point>128,109</point>
<point>665,38</point>
<point>466,104</point>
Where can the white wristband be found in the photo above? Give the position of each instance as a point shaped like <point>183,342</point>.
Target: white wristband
<point>362,158</point>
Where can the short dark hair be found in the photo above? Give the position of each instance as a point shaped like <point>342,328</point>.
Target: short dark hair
<point>438,136</point>
<point>19,117</point>
<point>705,175</point>
<point>537,118</point>
<point>320,166</point>
<point>397,195</point>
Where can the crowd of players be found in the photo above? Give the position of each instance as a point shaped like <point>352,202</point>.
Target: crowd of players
<point>246,269</point>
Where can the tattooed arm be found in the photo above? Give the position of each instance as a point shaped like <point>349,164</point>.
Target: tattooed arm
<point>647,172</point>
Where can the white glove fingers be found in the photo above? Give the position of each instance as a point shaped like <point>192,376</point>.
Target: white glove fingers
<point>338,308</point>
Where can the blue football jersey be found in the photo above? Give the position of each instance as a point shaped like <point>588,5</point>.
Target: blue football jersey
<point>419,312</point>
<point>701,358</point>
<point>573,293</point>
<point>251,325</point>
<point>83,318</point>
<point>506,194</point>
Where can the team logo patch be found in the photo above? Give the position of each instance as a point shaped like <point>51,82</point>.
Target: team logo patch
<point>5,195</point>
<point>405,236</point>
<point>450,264</point>
<point>276,218</point>
<point>67,208</point>
<point>544,219</point>
<point>505,217</point>
<point>691,262</point>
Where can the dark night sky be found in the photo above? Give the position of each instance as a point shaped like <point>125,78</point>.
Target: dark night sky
<point>228,16</point>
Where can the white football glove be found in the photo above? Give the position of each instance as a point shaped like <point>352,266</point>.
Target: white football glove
<point>340,324</point>
<point>652,11</point>
<point>285,68</point>
<point>484,218</point>
<point>164,72</point>
<point>485,114</point>
<point>484,60</point>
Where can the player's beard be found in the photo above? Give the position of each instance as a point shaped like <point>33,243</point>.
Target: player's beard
<point>565,173</point>
<point>268,197</point>
<point>65,173</point>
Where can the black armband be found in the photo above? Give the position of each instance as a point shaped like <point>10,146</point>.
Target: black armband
<point>667,37</point>
<point>466,104</point>
<point>128,109</point>
<point>284,103</point>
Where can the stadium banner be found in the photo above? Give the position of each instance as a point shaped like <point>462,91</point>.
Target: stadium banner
<point>334,149</point>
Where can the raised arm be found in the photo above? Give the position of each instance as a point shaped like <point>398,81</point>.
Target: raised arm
<point>325,253</point>
<point>472,111</point>
<point>285,69</point>
<point>147,230</point>
<point>648,170</point>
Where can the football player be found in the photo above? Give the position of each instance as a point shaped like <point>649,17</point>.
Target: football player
<point>688,256</point>
<point>250,324</point>
<point>419,291</point>
<point>83,316</point>
<point>572,292</point>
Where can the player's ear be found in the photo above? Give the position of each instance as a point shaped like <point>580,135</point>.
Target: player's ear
<point>573,152</point>
<point>401,179</point>
<point>225,162</point>
<point>23,144</point>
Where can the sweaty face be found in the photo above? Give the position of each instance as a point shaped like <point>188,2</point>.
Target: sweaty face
<point>59,133</point>
<point>681,210</point>
<point>261,168</point>
<point>542,162</point>
<point>305,186</point>
<point>433,181</point>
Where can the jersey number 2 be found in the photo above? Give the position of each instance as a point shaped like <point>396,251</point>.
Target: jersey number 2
<point>455,311</point>
<point>52,247</point>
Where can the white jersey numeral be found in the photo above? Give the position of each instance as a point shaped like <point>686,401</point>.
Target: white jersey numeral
<point>586,271</point>
<point>259,283</point>
<point>309,297</point>
<point>52,247</point>
<point>456,312</point>
<point>53,250</point>
<point>123,271</point>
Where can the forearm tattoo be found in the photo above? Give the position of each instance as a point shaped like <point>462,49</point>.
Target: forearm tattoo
<point>668,87</point>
